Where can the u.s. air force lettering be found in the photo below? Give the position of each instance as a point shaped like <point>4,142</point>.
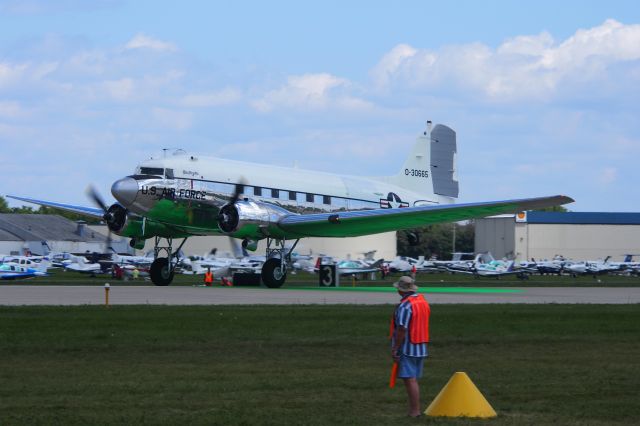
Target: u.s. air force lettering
<point>191,194</point>
<point>188,194</point>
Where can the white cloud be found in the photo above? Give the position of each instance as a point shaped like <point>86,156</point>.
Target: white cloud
<point>173,119</point>
<point>142,41</point>
<point>390,63</point>
<point>121,90</point>
<point>225,96</point>
<point>10,109</point>
<point>522,68</point>
<point>310,91</point>
<point>10,73</point>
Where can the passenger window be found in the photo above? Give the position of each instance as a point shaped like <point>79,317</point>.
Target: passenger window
<point>275,193</point>
<point>309,198</point>
<point>292,195</point>
<point>257,191</point>
<point>326,199</point>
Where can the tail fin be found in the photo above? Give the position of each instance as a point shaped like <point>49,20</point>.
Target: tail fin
<point>431,166</point>
<point>45,248</point>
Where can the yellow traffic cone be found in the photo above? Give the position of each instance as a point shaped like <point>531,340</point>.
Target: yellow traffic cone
<point>460,398</point>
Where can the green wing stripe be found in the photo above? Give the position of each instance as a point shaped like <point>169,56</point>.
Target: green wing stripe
<point>365,222</point>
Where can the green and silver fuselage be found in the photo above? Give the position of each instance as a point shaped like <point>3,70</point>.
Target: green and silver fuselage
<point>184,194</point>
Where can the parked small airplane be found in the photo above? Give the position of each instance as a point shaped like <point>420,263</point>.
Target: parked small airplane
<point>628,266</point>
<point>351,267</point>
<point>408,264</point>
<point>555,266</point>
<point>181,195</point>
<point>494,268</point>
<point>13,271</point>
<point>457,258</point>
<point>122,259</point>
<point>80,264</point>
<point>37,263</point>
<point>597,267</point>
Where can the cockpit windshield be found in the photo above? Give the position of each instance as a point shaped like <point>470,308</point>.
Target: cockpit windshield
<point>156,171</point>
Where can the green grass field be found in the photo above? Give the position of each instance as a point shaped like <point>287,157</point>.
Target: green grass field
<point>315,365</point>
<point>303,279</point>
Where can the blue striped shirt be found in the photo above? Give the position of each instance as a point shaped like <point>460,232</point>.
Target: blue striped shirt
<point>402,319</point>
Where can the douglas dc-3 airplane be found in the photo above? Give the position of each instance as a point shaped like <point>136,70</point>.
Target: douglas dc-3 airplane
<point>181,195</point>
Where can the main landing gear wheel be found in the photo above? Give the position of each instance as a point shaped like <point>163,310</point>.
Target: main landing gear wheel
<point>160,273</point>
<point>272,275</point>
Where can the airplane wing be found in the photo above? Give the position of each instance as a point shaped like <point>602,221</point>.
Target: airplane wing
<point>365,222</point>
<point>87,211</point>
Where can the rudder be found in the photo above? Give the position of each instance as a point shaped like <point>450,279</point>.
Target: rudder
<point>443,161</point>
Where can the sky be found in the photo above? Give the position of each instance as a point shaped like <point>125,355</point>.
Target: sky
<point>544,96</point>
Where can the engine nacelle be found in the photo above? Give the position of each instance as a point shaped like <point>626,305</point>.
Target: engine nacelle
<point>137,243</point>
<point>116,218</point>
<point>250,219</point>
<point>251,245</point>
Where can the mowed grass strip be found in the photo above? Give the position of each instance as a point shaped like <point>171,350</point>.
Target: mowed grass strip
<point>315,365</point>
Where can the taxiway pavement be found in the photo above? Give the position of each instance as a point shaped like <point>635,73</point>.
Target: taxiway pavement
<point>142,295</point>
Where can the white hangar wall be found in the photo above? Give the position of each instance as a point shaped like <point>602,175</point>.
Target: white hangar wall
<point>495,234</point>
<point>574,235</point>
<point>579,242</point>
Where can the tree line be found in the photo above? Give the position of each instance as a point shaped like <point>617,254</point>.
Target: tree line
<point>437,240</point>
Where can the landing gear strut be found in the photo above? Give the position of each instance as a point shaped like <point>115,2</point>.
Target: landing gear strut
<point>274,270</point>
<point>163,268</point>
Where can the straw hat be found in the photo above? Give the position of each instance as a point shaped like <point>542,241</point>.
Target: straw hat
<point>406,284</point>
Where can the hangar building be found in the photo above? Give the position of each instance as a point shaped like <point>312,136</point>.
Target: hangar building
<point>574,235</point>
<point>36,233</point>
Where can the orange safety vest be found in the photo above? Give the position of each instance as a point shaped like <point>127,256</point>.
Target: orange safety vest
<point>208,277</point>
<point>419,324</point>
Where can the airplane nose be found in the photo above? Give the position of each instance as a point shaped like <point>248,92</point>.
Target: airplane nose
<point>125,191</point>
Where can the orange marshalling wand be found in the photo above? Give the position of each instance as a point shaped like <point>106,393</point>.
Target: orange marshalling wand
<point>394,374</point>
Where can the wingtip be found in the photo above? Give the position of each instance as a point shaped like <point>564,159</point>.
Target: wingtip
<point>566,199</point>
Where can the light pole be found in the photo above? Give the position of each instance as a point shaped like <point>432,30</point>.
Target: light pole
<point>454,237</point>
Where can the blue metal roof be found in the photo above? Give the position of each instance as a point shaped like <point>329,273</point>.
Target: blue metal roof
<point>584,218</point>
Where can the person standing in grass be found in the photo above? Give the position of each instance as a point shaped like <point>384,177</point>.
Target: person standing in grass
<point>410,338</point>
<point>208,277</point>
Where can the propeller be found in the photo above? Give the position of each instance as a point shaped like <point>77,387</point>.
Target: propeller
<point>228,214</point>
<point>94,196</point>
<point>108,217</point>
<point>239,189</point>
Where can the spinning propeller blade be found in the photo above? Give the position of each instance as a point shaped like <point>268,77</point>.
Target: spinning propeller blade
<point>97,199</point>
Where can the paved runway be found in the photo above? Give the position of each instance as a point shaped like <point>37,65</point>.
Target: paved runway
<point>139,295</point>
